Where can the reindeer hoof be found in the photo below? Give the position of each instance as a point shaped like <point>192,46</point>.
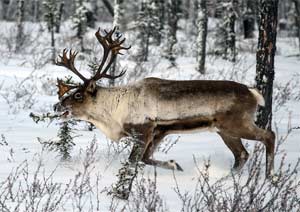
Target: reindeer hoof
<point>175,165</point>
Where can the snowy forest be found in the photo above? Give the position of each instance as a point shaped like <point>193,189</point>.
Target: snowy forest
<point>60,59</point>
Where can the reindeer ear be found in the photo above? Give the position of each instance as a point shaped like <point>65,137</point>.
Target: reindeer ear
<point>62,88</point>
<point>92,87</point>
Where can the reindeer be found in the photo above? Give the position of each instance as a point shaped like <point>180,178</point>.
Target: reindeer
<point>154,108</point>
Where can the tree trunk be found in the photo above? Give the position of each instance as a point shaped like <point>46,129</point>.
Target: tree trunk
<point>8,10</point>
<point>35,11</point>
<point>219,9</point>
<point>173,10</point>
<point>248,27</point>
<point>249,19</point>
<point>108,7</point>
<point>1,10</point>
<point>231,31</point>
<point>202,34</point>
<point>118,18</point>
<point>297,20</point>
<point>59,16</point>
<point>265,59</point>
<point>20,27</point>
<point>52,39</point>
<point>160,13</point>
<point>187,9</point>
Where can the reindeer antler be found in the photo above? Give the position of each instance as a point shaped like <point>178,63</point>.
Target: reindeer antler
<point>69,62</point>
<point>64,88</point>
<point>109,46</point>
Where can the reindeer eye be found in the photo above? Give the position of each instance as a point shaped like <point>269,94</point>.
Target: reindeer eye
<point>78,96</point>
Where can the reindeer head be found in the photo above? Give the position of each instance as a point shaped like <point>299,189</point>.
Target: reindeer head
<point>73,97</point>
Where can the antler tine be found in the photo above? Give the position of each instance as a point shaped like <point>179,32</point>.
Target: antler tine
<point>69,62</point>
<point>64,88</point>
<point>109,46</point>
<point>116,76</point>
<point>103,41</point>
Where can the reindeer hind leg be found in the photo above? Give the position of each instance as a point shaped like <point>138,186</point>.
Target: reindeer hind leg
<point>151,147</point>
<point>238,150</point>
<point>252,132</point>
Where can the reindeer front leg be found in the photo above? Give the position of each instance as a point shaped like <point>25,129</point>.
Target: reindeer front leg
<point>149,150</point>
<point>132,166</point>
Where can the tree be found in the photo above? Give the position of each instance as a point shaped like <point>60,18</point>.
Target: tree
<point>232,13</point>
<point>65,143</point>
<point>1,10</point>
<point>50,16</point>
<point>157,17</point>
<point>119,14</point>
<point>109,7</point>
<point>20,25</point>
<point>225,34</point>
<point>265,59</point>
<point>148,27</point>
<point>35,10</point>
<point>202,34</point>
<point>297,19</point>
<point>249,10</point>
<point>221,31</point>
<point>119,24</point>
<point>59,16</point>
<point>80,21</point>
<point>173,15</point>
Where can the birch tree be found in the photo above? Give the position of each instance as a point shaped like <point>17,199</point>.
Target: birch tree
<point>20,25</point>
<point>202,34</point>
<point>119,24</point>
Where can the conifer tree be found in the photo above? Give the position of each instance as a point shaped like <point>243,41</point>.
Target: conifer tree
<point>225,33</point>
<point>173,15</point>
<point>65,143</point>
<point>80,21</point>
<point>50,15</point>
<point>148,27</point>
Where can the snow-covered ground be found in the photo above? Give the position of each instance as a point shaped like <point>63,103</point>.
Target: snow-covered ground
<point>25,89</point>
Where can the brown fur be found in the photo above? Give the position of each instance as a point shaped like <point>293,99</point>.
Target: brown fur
<point>154,108</point>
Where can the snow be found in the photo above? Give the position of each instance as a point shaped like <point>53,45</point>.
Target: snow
<point>21,133</point>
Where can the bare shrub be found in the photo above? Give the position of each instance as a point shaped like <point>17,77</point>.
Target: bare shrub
<point>285,92</point>
<point>21,95</point>
<point>145,196</point>
<point>248,190</point>
<point>168,143</point>
<point>26,191</point>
